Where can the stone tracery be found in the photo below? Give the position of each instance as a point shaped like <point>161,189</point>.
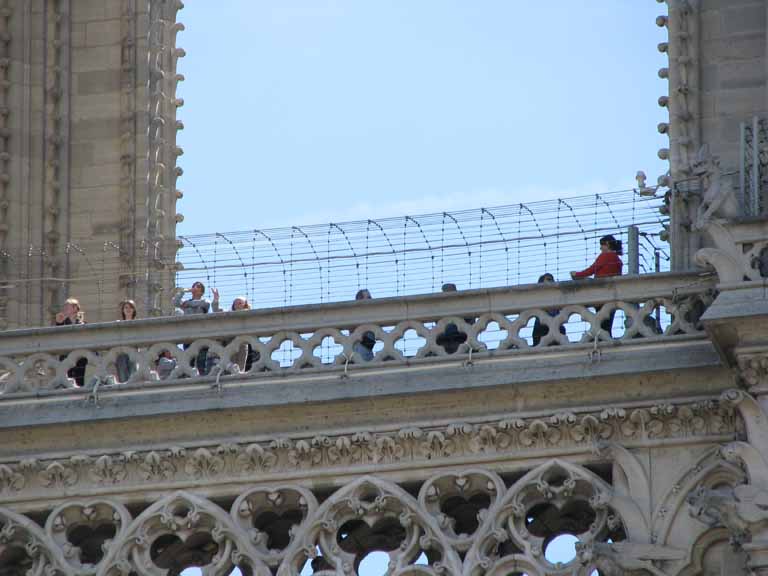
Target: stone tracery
<point>468,521</point>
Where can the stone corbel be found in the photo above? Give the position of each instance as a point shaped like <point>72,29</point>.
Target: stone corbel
<point>750,459</point>
<point>754,416</point>
<point>734,260</point>
<point>737,324</point>
<point>753,371</point>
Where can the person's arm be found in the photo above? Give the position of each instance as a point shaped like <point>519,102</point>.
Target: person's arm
<point>177,298</point>
<point>589,271</point>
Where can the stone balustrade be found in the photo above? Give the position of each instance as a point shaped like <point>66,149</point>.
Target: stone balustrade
<point>464,326</point>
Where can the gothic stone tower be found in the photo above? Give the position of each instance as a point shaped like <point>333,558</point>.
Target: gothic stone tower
<point>718,105</point>
<point>88,160</point>
<point>648,446</point>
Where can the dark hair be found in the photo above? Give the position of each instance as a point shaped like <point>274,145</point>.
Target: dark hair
<point>198,283</point>
<point>246,305</point>
<point>612,243</point>
<point>363,294</point>
<point>544,277</point>
<point>130,303</point>
<point>449,287</point>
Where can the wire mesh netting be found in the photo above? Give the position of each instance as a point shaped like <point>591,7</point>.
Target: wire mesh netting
<point>478,248</point>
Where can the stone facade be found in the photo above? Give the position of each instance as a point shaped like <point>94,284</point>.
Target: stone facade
<point>270,441</point>
<point>89,125</point>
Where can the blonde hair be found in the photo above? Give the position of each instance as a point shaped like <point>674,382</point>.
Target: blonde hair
<point>76,303</point>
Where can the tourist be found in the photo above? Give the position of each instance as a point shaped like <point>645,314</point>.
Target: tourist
<point>607,263</point>
<point>539,328</point>
<point>165,364</point>
<point>245,356</point>
<point>125,368</point>
<point>364,348</point>
<point>451,338</point>
<point>195,305</point>
<point>72,313</point>
<point>128,310</point>
<point>198,304</point>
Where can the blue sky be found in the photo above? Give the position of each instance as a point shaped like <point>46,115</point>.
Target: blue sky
<point>304,111</point>
<point>310,111</point>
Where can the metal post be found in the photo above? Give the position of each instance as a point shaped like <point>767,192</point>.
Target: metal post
<point>657,268</point>
<point>755,208</point>
<point>743,169</point>
<point>633,249</point>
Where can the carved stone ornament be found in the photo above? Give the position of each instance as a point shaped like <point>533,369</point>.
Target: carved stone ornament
<point>736,509</point>
<point>464,522</point>
<point>272,459</point>
<point>718,202</point>
<point>734,258</point>
<point>620,558</point>
<point>753,369</point>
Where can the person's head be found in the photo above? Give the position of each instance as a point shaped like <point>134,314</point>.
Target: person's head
<point>363,294</point>
<point>72,308</point>
<point>198,289</point>
<point>449,287</point>
<point>240,303</point>
<point>128,310</point>
<point>546,277</point>
<point>610,244</point>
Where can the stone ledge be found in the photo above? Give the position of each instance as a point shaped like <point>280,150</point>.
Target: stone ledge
<point>178,397</point>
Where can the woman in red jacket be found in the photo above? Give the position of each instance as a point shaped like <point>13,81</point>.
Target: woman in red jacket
<point>607,263</point>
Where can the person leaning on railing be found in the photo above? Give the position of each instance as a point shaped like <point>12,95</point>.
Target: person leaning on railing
<point>198,304</point>
<point>126,368</point>
<point>245,356</point>
<point>451,338</point>
<point>72,313</point>
<point>364,347</point>
<point>540,329</point>
<point>606,264</point>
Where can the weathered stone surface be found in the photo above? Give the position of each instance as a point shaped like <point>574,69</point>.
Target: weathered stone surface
<point>651,449</point>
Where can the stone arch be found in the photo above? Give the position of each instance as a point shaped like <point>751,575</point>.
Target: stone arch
<point>567,493</point>
<point>697,560</point>
<point>25,545</point>
<point>178,531</point>
<point>709,470</point>
<point>366,515</point>
<point>273,517</point>
<point>85,530</point>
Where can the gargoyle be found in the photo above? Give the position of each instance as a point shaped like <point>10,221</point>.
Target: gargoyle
<point>718,201</point>
<point>735,509</point>
<point>619,558</point>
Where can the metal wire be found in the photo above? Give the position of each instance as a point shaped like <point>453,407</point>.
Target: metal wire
<point>330,262</point>
<point>432,249</point>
